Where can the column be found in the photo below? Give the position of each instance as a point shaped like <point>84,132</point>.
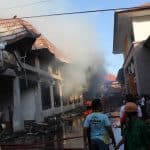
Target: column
<point>18,122</point>
<point>52,96</point>
<point>38,104</point>
<point>61,100</point>
<point>37,63</point>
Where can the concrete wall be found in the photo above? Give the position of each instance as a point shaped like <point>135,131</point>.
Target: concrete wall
<point>142,69</point>
<point>28,104</point>
<point>141,28</point>
<point>58,110</point>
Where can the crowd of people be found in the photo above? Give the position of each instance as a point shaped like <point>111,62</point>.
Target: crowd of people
<point>97,130</point>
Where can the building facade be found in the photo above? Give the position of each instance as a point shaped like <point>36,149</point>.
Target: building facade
<point>30,74</point>
<point>131,38</point>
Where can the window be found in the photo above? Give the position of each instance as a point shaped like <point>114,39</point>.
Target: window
<point>56,96</point>
<point>64,101</point>
<point>45,95</point>
<point>55,68</point>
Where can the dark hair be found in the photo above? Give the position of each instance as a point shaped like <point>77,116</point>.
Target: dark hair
<point>131,114</point>
<point>96,104</point>
<point>130,98</point>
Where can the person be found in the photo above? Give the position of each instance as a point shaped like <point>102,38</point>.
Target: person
<point>10,114</point>
<point>142,102</point>
<point>148,107</point>
<point>1,119</point>
<point>135,135</point>
<point>100,128</point>
<point>129,98</point>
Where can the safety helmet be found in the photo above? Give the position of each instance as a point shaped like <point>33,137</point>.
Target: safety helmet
<point>131,107</point>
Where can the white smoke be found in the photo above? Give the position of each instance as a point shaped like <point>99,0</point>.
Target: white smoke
<point>75,35</point>
<point>77,38</point>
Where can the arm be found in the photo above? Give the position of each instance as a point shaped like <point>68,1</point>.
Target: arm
<point>85,134</point>
<point>119,144</point>
<point>111,134</point>
<point>109,129</point>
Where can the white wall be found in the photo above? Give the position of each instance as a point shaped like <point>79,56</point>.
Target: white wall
<point>141,28</point>
<point>28,104</point>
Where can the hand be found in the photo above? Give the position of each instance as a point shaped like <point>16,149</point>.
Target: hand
<point>116,147</point>
<point>85,146</point>
<point>114,143</point>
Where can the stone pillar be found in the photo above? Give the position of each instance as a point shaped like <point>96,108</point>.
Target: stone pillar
<point>38,104</point>
<point>18,122</point>
<point>61,99</point>
<point>52,96</point>
<point>37,63</point>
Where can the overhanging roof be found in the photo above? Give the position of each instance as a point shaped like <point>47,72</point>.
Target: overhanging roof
<point>42,43</point>
<point>12,30</point>
<point>122,23</point>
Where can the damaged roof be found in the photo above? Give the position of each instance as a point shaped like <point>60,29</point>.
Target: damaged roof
<point>12,30</point>
<point>42,43</point>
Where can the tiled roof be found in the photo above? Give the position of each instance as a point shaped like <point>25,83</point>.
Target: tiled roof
<point>146,5</point>
<point>12,30</point>
<point>42,43</point>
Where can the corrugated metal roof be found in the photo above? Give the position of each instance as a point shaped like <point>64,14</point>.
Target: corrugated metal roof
<point>42,43</point>
<point>12,30</point>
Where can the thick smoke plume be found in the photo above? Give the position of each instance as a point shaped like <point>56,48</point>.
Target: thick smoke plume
<point>77,38</point>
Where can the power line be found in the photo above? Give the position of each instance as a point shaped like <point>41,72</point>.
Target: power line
<point>83,12</point>
<point>29,4</point>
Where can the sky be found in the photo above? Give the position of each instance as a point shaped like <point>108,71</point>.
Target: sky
<point>69,33</point>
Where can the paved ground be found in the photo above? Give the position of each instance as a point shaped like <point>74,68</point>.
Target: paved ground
<point>70,129</point>
<point>76,130</point>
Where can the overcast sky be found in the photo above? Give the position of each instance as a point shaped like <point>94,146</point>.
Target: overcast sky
<point>75,32</point>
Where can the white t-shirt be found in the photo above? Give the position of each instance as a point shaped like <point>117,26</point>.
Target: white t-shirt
<point>142,101</point>
<point>122,111</point>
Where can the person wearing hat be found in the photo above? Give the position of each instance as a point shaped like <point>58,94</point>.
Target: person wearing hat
<point>128,98</point>
<point>135,135</point>
<point>100,128</point>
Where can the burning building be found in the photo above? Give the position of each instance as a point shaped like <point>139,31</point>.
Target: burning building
<point>30,75</point>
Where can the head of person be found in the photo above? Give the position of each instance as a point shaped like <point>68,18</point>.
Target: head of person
<point>131,109</point>
<point>130,98</point>
<point>96,105</point>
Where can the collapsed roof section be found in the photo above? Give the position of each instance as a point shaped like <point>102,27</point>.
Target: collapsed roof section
<point>42,43</point>
<point>13,30</point>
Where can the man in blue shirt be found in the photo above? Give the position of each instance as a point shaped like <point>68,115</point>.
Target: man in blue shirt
<point>100,128</point>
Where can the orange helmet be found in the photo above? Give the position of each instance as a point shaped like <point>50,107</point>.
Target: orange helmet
<point>131,107</point>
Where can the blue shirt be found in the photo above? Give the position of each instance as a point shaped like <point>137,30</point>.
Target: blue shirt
<point>97,123</point>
